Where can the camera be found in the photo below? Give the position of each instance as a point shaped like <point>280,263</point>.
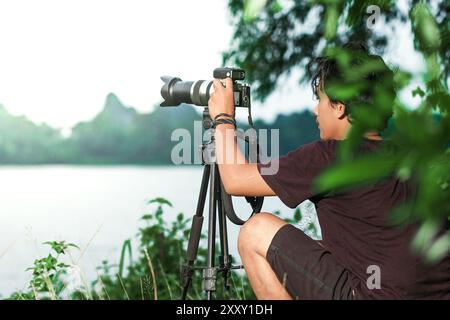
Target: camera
<point>175,91</point>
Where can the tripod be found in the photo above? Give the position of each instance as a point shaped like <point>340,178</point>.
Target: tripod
<point>220,207</point>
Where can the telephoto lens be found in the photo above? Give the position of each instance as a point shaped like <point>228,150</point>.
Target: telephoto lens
<point>176,91</point>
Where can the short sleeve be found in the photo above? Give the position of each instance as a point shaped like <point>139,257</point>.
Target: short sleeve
<point>291,176</point>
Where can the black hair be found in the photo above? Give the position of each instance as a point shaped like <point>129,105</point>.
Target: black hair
<point>352,66</point>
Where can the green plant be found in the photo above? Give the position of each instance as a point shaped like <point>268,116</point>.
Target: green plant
<point>46,281</point>
<point>154,272</point>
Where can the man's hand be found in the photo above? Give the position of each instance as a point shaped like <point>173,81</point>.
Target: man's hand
<point>239,177</point>
<point>221,101</point>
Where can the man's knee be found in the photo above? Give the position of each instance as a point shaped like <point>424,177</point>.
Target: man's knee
<point>257,233</point>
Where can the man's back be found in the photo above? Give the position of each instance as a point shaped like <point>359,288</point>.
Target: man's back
<point>356,226</point>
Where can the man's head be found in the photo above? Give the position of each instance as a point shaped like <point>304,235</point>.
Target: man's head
<point>351,85</point>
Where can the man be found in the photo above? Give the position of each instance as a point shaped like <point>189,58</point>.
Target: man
<point>361,256</point>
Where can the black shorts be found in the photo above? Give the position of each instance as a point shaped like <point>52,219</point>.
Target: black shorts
<point>306,269</point>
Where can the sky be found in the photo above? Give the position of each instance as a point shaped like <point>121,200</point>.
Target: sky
<point>59,59</point>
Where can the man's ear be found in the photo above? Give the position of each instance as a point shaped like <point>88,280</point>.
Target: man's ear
<point>339,110</point>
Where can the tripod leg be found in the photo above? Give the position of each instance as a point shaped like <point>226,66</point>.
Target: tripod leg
<point>210,272</point>
<point>225,257</point>
<point>194,237</point>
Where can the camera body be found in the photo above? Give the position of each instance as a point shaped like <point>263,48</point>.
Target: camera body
<point>234,73</point>
<point>175,91</point>
<point>241,91</point>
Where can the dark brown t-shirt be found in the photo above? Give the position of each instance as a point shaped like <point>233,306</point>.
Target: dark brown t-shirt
<point>355,227</point>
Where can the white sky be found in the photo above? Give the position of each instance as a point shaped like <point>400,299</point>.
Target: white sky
<point>59,59</point>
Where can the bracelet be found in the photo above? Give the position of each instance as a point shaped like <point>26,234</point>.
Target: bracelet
<point>223,114</point>
<point>223,121</point>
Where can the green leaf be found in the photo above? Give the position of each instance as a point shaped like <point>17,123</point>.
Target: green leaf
<point>160,201</point>
<point>276,7</point>
<point>344,91</point>
<point>73,245</point>
<point>425,27</point>
<point>147,217</point>
<point>365,169</point>
<point>438,249</point>
<point>401,78</point>
<point>424,236</point>
<point>331,21</point>
<point>297,215</point>
<point>125,247</point>
<point>418,91</point>
<point>252,8</point>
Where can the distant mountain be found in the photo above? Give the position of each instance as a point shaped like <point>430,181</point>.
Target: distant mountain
<point>121,135</point>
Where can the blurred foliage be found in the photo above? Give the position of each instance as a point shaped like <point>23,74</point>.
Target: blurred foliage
<point>271,43</point>
<point>285,35</point>
<point>121,135</point>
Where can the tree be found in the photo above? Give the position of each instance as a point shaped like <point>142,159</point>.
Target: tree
<point>271,40</point>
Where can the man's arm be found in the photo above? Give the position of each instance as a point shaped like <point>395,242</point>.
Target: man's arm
<point>239,177</point>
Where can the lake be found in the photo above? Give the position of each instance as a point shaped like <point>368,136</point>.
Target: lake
<point>95,207</point>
